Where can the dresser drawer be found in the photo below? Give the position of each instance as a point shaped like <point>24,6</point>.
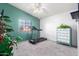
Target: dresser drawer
<point>64,41</point>
<point>63,34</point>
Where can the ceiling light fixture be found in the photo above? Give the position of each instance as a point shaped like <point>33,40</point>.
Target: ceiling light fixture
<point>38,8</point>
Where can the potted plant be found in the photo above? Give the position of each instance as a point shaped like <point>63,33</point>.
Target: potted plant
<point>5,40</point>
<point>64,26</point>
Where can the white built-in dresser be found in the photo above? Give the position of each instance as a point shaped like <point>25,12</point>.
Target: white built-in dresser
<point>64,36</point>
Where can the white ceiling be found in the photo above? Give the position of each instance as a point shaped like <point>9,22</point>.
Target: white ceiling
<point>50,8</point>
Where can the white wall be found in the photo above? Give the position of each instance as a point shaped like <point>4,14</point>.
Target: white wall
<point>49,26</point>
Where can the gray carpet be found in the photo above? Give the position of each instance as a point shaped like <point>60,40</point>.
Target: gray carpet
<point>46,48</point>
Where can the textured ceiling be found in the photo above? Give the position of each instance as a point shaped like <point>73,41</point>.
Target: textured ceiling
<point>50,8</point>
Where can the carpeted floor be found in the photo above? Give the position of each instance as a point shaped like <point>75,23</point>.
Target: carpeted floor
<point>46,48</point>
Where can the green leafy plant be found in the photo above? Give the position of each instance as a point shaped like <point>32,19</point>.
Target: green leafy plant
<point>64,26</point>
<point>4,27</point>
<point>6,42</point>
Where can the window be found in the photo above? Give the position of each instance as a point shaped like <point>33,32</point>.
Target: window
<point>25,25</point>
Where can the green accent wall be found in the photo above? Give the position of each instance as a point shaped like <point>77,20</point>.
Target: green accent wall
<point>16,14</point>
